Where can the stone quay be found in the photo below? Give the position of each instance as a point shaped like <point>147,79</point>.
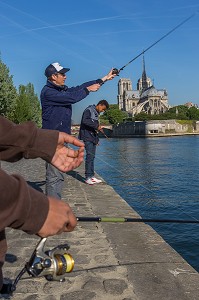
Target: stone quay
<point>113,261</point>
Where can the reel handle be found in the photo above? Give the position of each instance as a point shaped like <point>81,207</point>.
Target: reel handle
<point>115,71</point>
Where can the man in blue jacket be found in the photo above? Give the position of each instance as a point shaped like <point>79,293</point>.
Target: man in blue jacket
<point>56,101</point>
<point>89,134</point>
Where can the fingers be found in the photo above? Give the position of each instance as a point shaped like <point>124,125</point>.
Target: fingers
<point>66,138</point>
<point>67,159</point>
<point>70,226</point>
<point>60,219</point>
<point>75,153</point>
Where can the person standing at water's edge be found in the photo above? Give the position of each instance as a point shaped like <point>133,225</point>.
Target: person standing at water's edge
<point>56,101</point>
<point>88,133</point>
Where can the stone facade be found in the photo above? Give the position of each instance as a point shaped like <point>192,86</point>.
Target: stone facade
<point>146,98</point>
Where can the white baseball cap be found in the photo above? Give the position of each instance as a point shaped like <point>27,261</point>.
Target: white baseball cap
<point>55,68</point>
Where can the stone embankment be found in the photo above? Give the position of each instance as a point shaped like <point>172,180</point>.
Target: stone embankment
<point>121,261</point>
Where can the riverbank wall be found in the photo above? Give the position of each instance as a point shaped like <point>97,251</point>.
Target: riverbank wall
<point>154,128</point>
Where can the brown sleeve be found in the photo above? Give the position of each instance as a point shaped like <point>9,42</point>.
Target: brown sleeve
<point>26,140</point>
<point>21,206</point>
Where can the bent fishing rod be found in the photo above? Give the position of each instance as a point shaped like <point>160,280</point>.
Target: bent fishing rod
<point>117,71</point>
<point>133,220</point>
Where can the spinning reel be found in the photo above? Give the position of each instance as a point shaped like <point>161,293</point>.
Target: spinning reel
<point>115,71</point>
<point>52,264</point>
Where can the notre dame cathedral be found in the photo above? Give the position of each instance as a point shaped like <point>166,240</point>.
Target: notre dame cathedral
<point>145,99</point>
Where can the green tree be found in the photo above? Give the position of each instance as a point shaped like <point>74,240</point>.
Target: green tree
<point>193,113</point>
<point>142,117</point>
<point>23,110</point>
<point>179,112</point>
<point>114,115</point>
<point>28,106</point>
<point>35,104</point>
<point>8,92</point>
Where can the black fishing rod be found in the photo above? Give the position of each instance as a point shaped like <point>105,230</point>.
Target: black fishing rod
<point>117,71</point>
<point>133,220</point>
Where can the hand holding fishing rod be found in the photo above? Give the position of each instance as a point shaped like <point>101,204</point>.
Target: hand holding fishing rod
<point>109,76</point>
<point>100,128</point>
<point>95,87</point>
<point>54,264</point>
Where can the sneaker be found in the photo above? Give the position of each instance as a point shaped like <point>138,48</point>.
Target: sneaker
<point>89,181</point>
<point>95,180</point>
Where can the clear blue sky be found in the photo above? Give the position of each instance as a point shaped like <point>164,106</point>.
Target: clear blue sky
<point>92,36</point>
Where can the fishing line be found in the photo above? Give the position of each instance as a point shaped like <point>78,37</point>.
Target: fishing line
<point>137,220</point>
<point>117,71</point>
<point>145,204</point>
<point>123,170</point>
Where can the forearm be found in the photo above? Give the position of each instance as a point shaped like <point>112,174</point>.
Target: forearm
<point>21,206</point>
<point>26,140</point>
<point>86,84</point>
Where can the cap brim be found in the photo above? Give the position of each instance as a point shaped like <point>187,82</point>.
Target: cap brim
<point>64,70</point>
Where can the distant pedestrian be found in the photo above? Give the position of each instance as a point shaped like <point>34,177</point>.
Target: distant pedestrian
<point>89,134</point>
<point>56,101</point>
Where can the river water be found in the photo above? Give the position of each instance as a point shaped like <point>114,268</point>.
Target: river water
<point>158,177</point>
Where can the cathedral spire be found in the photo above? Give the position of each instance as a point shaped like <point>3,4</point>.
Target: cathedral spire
<point>144,77</point>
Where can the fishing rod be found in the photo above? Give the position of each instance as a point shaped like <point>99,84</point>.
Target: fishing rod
<point>134,220</point>
<point>102,131</point>
<point>55,263</point>
<point>117,71</point>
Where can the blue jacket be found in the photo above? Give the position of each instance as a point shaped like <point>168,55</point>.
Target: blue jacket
<point>89,125</point>
<point>57,103</point>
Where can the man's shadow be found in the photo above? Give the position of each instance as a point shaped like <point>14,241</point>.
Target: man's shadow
<point>37,185</point>
<point>76,175</point>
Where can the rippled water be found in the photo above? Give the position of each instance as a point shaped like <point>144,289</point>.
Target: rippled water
<point>159,178</point>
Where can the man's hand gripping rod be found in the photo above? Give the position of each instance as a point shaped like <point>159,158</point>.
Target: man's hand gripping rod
<point>55,263</point>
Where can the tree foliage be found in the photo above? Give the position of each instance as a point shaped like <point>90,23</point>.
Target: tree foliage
<point>18,106</point>
<point>8,92</point>
<point>180,112</point>
<point>27,106</point>
<point>113,115</point>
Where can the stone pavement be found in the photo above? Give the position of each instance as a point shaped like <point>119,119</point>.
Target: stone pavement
<point>119,261</point>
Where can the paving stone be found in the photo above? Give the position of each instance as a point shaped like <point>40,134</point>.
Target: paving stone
<point>93,284</point>
<point>115,286</point>
<point>78,295</point>
<point>50,297</point>
<point>52,286</point>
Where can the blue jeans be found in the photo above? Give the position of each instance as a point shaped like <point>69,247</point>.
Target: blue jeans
<point>90,156</point>
<point>54,181</point>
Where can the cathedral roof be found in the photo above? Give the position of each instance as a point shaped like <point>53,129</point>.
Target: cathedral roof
<point>152,91</point>
<point>133,94</point>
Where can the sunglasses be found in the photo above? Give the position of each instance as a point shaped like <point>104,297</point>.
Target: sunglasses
<point>62,74</point>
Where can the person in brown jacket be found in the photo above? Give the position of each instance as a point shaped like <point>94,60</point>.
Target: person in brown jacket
<point>22,207</point>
